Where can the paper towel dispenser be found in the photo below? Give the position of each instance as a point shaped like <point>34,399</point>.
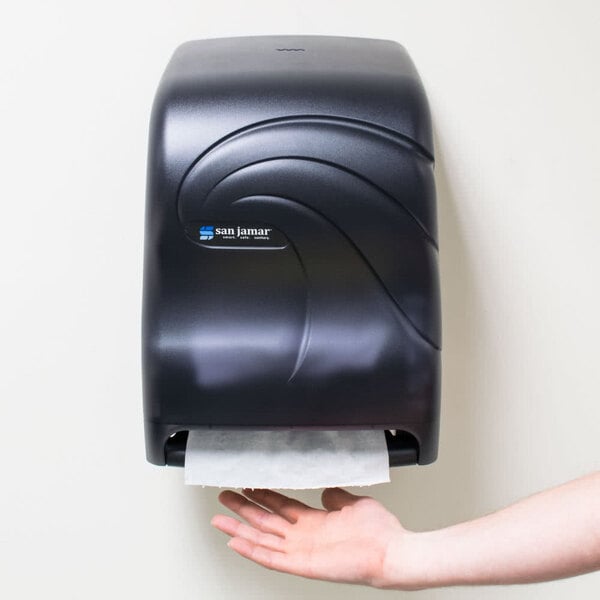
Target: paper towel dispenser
<point>291,255</point>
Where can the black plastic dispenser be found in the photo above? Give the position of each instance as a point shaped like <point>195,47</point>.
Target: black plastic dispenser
<point>291,261</point>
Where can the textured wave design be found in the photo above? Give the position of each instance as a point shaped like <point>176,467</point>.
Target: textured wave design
<point>371,192</point>
<point>389,161</point>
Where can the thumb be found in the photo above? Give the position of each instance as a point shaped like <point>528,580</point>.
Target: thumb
<point>336,498</point>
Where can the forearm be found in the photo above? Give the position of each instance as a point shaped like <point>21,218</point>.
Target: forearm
<point>553,534</point>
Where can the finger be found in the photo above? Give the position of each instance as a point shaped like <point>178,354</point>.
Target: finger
<point>235,528</point>
<point>255,515</point>
<point>270,559</point>
<point>337,498</point>
<point>288,508</point>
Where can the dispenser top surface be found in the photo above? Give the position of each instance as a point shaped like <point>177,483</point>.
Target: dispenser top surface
<point>254,78</point>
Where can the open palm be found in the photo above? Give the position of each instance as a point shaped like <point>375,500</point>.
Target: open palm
<point>347,541</point>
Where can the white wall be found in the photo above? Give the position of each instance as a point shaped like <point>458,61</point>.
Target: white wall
<point>514,88</point>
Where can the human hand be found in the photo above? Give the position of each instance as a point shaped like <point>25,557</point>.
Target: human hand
<point>347,542</point>
<point>550,535</point>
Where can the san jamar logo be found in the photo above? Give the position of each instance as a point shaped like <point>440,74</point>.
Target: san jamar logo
<point>209,232</point>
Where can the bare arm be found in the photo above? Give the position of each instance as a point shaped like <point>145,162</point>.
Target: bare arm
<point>355,539</point>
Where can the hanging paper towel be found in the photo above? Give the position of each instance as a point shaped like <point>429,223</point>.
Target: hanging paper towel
<point>295,459</point>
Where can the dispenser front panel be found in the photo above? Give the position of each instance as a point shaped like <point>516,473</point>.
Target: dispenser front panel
<point>291,269</point>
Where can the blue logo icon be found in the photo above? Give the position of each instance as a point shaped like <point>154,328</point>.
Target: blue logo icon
<point>207,232</point>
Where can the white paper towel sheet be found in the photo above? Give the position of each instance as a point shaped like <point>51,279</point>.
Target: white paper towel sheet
<point>286,459</point>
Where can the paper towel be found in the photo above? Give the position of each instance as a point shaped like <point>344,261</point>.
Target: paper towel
<point>294,459</point>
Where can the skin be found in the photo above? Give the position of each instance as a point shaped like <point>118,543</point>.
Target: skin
<point>354,539</point>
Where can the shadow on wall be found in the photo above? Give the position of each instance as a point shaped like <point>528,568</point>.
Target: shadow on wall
<point>449,491</point>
